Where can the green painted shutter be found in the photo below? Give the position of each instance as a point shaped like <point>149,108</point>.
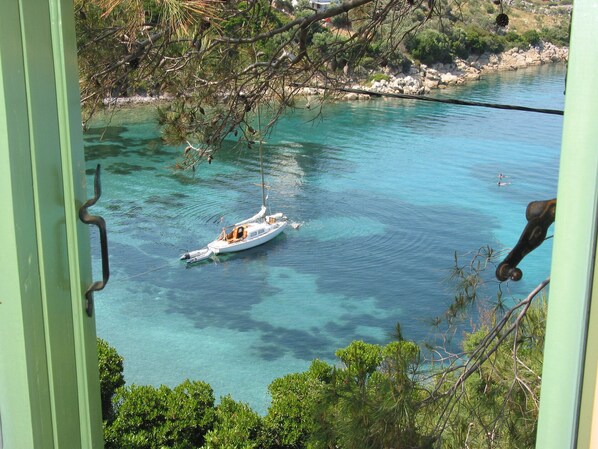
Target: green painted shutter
<point>49,387</point>
<point>571,341</point>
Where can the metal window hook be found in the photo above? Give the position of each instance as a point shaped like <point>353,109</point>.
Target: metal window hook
<point>540,215</point>
<point>86,218</point>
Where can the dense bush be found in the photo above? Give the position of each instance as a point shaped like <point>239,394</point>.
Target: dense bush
<point>531,37</point>
<point>375,397</point>
<point>290,421</point>
<point>371,400</point>
<point>379,77</point>
<point>236,427</point>
<point>385,54</point>
<point>146,417</point>
<point>474,40</point>
<point>341,21</point>
<point>326,43</point>
<point>558,35</point>
<point>111,376</point>
<point>430,46</point>
<point>528,38</point>
<point>500,402</point>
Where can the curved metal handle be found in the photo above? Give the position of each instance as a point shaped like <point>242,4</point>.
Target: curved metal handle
<point>86,218</point>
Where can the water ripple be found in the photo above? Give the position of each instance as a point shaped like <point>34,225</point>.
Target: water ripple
<point>386,193</point>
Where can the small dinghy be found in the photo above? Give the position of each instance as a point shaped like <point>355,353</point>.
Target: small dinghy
<point>197,255</point>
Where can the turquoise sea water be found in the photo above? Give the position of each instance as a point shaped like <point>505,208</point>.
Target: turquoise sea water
<point>386,192</point>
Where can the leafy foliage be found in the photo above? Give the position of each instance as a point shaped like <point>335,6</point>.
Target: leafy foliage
<point>475,40</point>
<point>430,46</point>
<point>488,394</point>
<point>290,420</point>
<point>497,405</point>
<point>222,61</point>
<point>236,427</point>
<point>111,376</point>
<point>154,418</point>
<point>557,35</point>
<point>379,397</point>
<point>370,402</point>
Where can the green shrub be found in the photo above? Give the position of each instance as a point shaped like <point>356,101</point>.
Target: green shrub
<point>379,77</point>
<point>531,37</point>
<point>236,427</point>
<point>476,40</point>
<point>459,43</point>
<point>190,415</point>
<point>325,43</point>
<point>557,36</point>
<point>341,21</point>
<point>494,43</point>
<point>157,418</point>
<point>430,46</point>
<point>512,39</point>
<point>369,63</point>
<point>290,420</point>
<point>386,54</point>
<point>111,376</point>
<point>371,401</point>
<point>139,419</point>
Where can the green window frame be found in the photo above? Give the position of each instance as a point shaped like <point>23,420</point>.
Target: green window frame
<point>49,392</point>
<point>571,346</point>
<point>49,383</point>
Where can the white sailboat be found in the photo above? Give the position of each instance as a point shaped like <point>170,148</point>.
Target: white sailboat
<point>249,233</point>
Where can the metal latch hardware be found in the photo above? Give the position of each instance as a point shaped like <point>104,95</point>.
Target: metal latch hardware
<point>101,224</point>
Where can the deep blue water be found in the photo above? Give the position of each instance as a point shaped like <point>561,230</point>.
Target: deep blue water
<point>386,192</point>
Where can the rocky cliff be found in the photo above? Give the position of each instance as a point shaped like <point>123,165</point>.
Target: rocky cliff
<point>422,79</point>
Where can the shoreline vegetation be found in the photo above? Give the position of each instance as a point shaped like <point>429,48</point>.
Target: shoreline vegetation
<point>211,69</point>
<point>419,79</point>
<point>423,79</point>
<point>212,64</point>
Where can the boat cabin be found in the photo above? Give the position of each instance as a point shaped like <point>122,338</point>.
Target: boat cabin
<point>238,233</point>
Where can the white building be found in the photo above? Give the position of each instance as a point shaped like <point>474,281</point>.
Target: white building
<point>318,5</point>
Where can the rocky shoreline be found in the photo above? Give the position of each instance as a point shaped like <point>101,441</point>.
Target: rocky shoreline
<point>422,79</point>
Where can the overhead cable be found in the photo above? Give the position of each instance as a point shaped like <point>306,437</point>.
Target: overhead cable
<point>440,100</point>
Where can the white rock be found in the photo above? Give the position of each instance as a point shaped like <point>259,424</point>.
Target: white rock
<point>448,78</point>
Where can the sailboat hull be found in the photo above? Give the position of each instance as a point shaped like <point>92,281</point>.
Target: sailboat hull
<point>257,234</point>
<point>245,234</point>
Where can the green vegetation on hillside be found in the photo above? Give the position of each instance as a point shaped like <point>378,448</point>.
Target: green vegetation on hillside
<point>219,61</point>
<point>375,396</point>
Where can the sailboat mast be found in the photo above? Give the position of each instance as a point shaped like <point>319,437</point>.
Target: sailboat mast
<point>263,182</point>
<point>259,124</point>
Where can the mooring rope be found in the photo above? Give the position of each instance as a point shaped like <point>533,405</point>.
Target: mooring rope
<point>169,264</point>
